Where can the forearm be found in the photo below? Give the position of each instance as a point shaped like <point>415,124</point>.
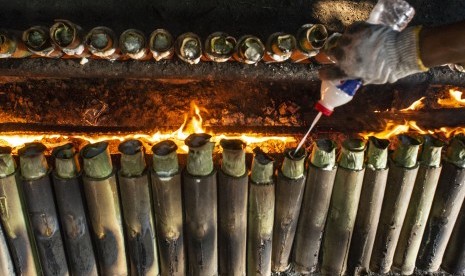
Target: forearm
<point>443,44</point>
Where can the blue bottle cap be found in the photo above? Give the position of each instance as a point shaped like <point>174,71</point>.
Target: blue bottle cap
<point>350,86</point>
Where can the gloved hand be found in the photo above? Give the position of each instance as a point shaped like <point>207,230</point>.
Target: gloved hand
<point>374,53</point>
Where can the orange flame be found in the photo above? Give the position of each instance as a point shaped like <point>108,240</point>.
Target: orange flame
<point>416,105</point>
<point>193,123</point>
<point>391,129</point>
<point>453,101</point>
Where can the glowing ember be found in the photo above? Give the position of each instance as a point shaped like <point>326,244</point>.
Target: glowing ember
<point>417,105</point>
<point>192,124</point>
<point>454,101</point>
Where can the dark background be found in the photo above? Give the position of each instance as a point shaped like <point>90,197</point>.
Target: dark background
<point>237,17</point>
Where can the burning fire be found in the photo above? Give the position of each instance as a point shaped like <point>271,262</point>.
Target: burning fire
<point>417,105</point>
<point>454,101</point>
<point>393,129</point>
<point>192,124</point>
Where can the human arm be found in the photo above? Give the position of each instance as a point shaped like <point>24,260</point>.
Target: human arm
<point>377,54</point>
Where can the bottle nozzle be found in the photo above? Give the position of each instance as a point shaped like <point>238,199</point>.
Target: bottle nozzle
<point>323,109</point>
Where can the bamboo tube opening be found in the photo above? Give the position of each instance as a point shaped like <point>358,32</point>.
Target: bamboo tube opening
<point>66,161</point>
<point>97,160</point>
<point>7,163</point>
<point>233,162</point>
<point>32,161</point>
<point>294,163</point>
<point>377,153</point>
<point>101,41</point>
<point>431,151</point>
<point>200,156</point>
<point>133,42</point>
<point>7,45</point>
<point>280,46</point>
<point>219,46</point>
<point>189,48</point>
<point>161,44</point>
<point>37,38</point>
<point>132,158</point>
<point>324,154</point>
<point>262,167</point>
<point>63,33</point>
<point>311,37</point>
<point>406,152</point>
<point>456,151</point>
<point>249,49</point>
<point>165,160</point>
<point>352,154</point>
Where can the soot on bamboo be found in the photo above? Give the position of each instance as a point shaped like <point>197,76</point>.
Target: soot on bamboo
<point>14,217</point>
<point>371,198</point>
<point>137,209</point>
<point>419,207</point>
<point>42,213</point>
<point>200,198</point>
<point>289,192</point>
<point>316,200</point>
<point>6,264</point>
<point>400,183</point>
<point>343,208</point>
<point>260,214</point>
<point>72,213</point>
<point>454,256</point>
<point>449,196</point>
<point>104,209</point>
<point>167,198</point>
<point>232,209</point>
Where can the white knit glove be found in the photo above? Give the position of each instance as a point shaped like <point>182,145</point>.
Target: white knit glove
<point>374,53</point>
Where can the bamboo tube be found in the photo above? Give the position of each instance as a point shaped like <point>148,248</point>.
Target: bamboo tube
<point>260,215</point>
<point>37,40</point>
<point>137,209</point>
<point>11,45</point>
<point>249,50</point>
<point>331,42</point>
<point>69,37</point>
<point>310,39</point>
<point>42,213</point>
<point>232,209</point>
<point>401,179</point>
<point>219,47</point>
<point>133,44</point>
<point>200,199</point>
<point>104,209</point>
<point>13,215</point>
<point>343,207</point>
<point>167,197</point>
<point>419,207</point>
<point>188,48</point>
<point>289,192</point>
<point>102,42</point>
<point>161,44</point>
<point>371,198</point>
<point>317,196</point>
<point>454,256</point>
<point>6,264</point>
<point>279,47</point>
<point>448,198</point>
<point>72,213</point>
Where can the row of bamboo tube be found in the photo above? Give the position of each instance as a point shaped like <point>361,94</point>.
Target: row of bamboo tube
<point>369,210</point>
<point>67,38</point>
